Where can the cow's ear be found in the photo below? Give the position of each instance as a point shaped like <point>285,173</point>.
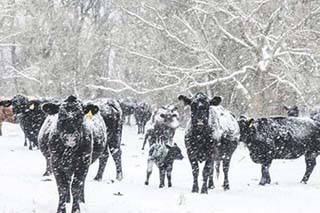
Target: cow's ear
<point>285,107</point>
<point>250,122</point>
<point>91,108</point>
<point>215,101</point>
<point>50,108</point>
<point>6,103</point>
<point>185,99</point>
<point>295,107</point>
<point>168,146</point>
<point>162,115</point>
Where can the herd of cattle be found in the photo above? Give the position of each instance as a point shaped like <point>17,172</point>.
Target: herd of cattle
<point>72,133</point>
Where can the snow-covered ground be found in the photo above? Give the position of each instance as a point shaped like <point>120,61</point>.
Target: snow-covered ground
<point>23,191</point>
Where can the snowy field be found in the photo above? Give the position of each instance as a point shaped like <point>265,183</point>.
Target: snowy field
<point>23,191</point>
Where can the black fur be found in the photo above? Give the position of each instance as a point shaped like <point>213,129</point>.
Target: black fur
<point>142,115</point>
<point>72,146</point>
<point>280,138</point>
<point>30,116</point>
<point>202,143</point>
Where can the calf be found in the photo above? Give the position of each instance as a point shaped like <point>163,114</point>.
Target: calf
<point>142,115</point>
<point>212,135</point>
<point>29,114</point>
<point>163,156</point>
<point>112,115</point>
<point>281,138</point>
<point>292,111</point>
<point>75,135</point>
<point>128,106</point>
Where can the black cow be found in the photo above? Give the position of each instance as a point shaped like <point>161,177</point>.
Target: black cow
<point>75,135</point>
<point>29,114</point>
<point>292,111</point>
<point>128,106</point>
<point>163,156</point>
<point>111,112</point>
<point>142,114</point>
<point>281,138</point>
<point>212,135</point>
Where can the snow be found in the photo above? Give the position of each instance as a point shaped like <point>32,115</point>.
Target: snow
<point>22,190</point>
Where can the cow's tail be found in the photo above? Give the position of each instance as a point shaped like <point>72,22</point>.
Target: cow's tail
<point>217,168</point>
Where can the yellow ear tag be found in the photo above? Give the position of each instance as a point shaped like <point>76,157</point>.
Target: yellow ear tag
<point>89,115</point>
<point>31,107</point>
<point>251,124</point>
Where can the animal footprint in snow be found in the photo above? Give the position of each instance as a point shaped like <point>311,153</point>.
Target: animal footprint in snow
<point>118,194</point>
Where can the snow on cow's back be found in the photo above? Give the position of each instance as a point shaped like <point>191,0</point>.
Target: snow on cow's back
<point>96,127</point>
<point>222,119</point>
<point>48,127</point>
<point>105,104</point>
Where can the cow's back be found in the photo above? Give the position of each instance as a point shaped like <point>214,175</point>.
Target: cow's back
<point>223,124</point>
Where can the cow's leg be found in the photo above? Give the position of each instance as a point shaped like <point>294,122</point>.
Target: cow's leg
<point>30,145</point>
<point>265,178</point>
<point>25,141</point>
<point>149,171</point>
<point>48,171</point>
<point>116,155</point>
<point>162,174</point>
<point>169,171</point>
<point>215,165</point>
<point>63,184</point>
<point>206,172</point>
<point>195,174</point>
<point>226,166</point>
<point>102,164</point>
<point>310,164</point>
<point>78,183</point>
<point>0,128</point>
<point>129,120</point>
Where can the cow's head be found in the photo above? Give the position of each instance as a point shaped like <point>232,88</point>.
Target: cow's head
<point>71,114</point>
<point>292,111</point>
<point>247,127</point>
<point>174,152</point>
<point>21,105</point>
<point>168,116</point>
<point>200,105</point>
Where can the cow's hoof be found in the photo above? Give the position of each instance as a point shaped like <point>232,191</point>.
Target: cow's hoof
<point>195,189</point>
<point>46,174</point>
<point>226,187</point>
<point>169,185</point>
<point>119,176</point>
<point>161,185</point>
<point>204,190</point>
<point>303,181</point>
<point>146,183</point>
<point>262,183</point>
<point>98,178</point>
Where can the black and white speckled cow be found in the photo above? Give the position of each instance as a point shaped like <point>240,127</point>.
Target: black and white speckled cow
<point>211,135</point>
<point>75,136</point>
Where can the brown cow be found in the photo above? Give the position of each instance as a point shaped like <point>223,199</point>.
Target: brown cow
<point>6,115</point>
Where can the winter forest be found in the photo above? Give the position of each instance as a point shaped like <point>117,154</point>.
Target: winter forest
<point>157,106</point>
<point>257,54</point>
